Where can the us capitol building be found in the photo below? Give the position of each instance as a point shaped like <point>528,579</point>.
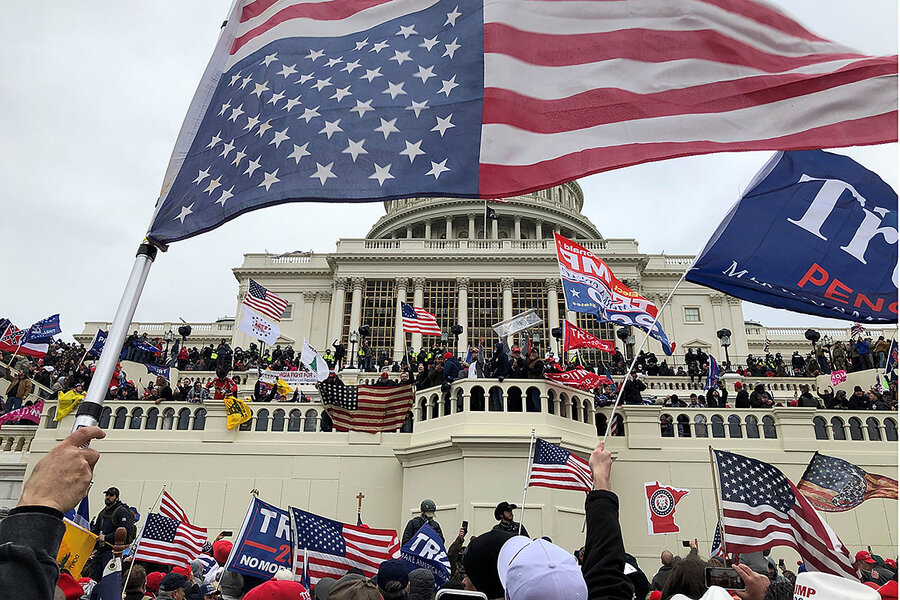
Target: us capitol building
<point>434,254</point>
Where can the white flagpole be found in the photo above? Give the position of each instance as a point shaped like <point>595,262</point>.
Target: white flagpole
<point>641,347</point>
<point>527,478</point>
<point>137,541</point>
<point>92,404</point>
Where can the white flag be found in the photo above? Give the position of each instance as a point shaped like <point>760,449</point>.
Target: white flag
<point>314,361</point>
<point>258,327</point>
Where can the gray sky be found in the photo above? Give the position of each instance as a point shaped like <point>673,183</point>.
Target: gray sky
<point>92,96</point>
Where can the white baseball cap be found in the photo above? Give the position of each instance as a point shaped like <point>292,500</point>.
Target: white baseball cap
<point>824,586</point>
<point>539,570</point>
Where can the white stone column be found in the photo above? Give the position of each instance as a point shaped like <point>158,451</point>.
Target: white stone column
<point>306,315</point>
<point>399,334</point>
<point>336,317</point>
<point>551,284</point>
<point>462,312</point>
<point>318,333</point>
<point>495,229</point>
<point>427,230</point>
<point>538,231</point>
<point>449,229</point>
<point>356,303</point>
<point>472,232</point>
<point>418,300</point>
<point>517,227</point>
<point>506,285</point>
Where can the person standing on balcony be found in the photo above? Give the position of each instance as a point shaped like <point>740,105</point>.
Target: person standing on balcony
<point>760,398</point>
<point>806,399</point>
<point>742,398</point>
<point>18,390</point>
<point>633,388</point>
<point>717,397</point>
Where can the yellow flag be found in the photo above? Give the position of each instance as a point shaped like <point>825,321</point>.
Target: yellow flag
<point>237,412</point>
<point>67,402</point>
<point>282,387</point>
<point>75,548</point>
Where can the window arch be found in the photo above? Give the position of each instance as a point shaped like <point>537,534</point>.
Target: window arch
<point>666,428</point>
<point>262,419</point>
<point>105,416</point>
<point>311,420</point>
<point>199,419</point>
<point>137,415</point>
<point>184,419</point>
<point>423,409</point>
<point>551,397</point>
<point>820,426</point>
<point>769,427</point>
<point>168,418</point>
<point>684,425</point>
<point>600,420</point>
<point>734,426</point>
<point>460,403</point>
<point>407,424</point>
<point>514,399</point>
<point>476,398</point>
<point>855,426</point>
<point>574,408</point>
<point>278,420</point>
<point>700,428</point>
<point>618,426</point>
<point>586,411</point>
<point>121,418</point>
<point>51,418</point>
<point>294,420</point>
<point>152,418</point>
<point>890,430</point>
<point>718,426</point>
<point>496,398</point>
<point>752,425</point>
<point>874,430</point>
<point>837,429</point>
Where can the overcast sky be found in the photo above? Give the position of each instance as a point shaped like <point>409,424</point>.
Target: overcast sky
<point>92,96</point>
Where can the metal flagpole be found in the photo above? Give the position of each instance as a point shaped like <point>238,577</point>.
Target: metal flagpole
<point>715,479</point>
<point>641,347</point>
<point>137,541</point>
<point>527,478</point>
<point>92,405</point>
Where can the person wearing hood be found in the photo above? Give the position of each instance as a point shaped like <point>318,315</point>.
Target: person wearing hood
<point>760,398</point>
<point>806,399</point>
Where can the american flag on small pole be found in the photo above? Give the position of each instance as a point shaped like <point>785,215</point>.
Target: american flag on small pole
<point>559,469</point>
<point>418,320</point>
<point>168,538</point>
<point>265,302</point>
<point>717,550</point>
<point>768,344</point>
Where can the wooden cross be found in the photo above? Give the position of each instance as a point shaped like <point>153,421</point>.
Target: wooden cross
<point>359,498</point>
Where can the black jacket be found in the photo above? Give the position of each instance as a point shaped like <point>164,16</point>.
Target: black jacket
<point>415,524</point>
<point>632,392</point>
<point>604,552</point>
<point>111,518</point>
<point>29,541</point>
<point>742,399</point>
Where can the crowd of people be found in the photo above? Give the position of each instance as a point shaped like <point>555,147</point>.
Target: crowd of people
<point>500,563</point>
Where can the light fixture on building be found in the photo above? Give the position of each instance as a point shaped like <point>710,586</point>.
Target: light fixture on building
<point>813,336</point>
<point>724,336</point>
<point>167,338</point>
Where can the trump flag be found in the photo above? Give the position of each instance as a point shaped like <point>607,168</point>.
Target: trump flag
<point>815,233</point>
<point>339,101</point>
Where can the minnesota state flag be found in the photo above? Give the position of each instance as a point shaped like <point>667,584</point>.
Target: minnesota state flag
<point>67,402</point>
<point>76,547</point>
<point>237,412</point>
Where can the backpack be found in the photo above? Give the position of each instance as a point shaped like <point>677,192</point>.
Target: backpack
<point>132,526</point>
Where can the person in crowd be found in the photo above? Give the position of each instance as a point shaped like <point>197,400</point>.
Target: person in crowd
<point>451,367</point>
<point>426,515</point>
<point>827,396</point>
<point>115,514</point>
<point>162,392</point>
<point>223,386</point>
<point>869,570</point>
<point>859,400</point>
<point>172,587</point>
<point>20,388</point>
<point>686,577</point>
<point>633,388</point>
<point>717,396</point>
<point>760,398</point>
<point>668,561</point>
<point>504,514</point>
<point>806,399</point>
<point>197,393</point>
<point>455,554</point>
<point>421,584</point>
<point>393,580</point>
<point>136,586</point>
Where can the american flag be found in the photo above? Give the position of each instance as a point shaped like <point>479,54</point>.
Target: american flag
<point>713,376</point>
<point>168,538</point>
<point>556,468</point>
<point>367,407</point>
<point>768,344</point>
<point>364,101</point>
<point>418,320</point>
<point>717,550</point>
<point>857,330</point>
<point>834,485</point>
<point>332,547</point>
<point>263,301</point>
<point>761,509</point>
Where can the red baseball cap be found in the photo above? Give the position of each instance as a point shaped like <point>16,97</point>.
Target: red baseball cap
<point>153,580</point>
<point>863,556</point>
<point>278,590</point>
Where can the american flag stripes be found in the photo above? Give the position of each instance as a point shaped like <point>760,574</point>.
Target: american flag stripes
<point>556,468</point>
<point>168,538</point>
<point>343,102</point>
<point>768,344</point>
<point>418,320</point>
<point>834,485</point>
<point>717,550</point>
<point>761,509</point>
<point>332,547</point>
<point>367,407</point>
<point>267,303</point>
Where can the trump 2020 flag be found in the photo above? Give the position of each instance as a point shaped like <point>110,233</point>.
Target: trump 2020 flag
<point>590,287</point>
<point>341,101</point>
<point>259,327</point>
<point>425,550</point>
<point>815,233</point>
<point>44,329</point>
<point>98,342</point>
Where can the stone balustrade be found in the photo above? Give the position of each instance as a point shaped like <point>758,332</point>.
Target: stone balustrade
<point>16,438</point>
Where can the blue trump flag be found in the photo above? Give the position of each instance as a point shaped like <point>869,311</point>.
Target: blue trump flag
<point>158,371</point>
<point>713,377</point>
<point>425,550</point>
<point>44,329</point>
<point>264,542</point>
<point>97,345</point>
<point>814,233</point>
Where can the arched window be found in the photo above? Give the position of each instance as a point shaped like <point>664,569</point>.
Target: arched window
<point>294,420</point>
<point>407,424</point>
<point>718,426</point>
<point>601,422</point>
<point>278,420</point>
<point>769,427</point>
<point>574,409</point>
<point>666,429</point>
<point>874,432</point>
<point>168,420</point>
<point>184,419</point>
<point>51,418</point>
<point>752,425</point>
<point>700,429</point>
<point>837,429</point>
<point>200,419</point>
<point>152,418</point>
<point>311,420</point>
<point>137,415</point>
<point>820,426</point>
<point>423,409</point>
<point>618,426</point>
<point>585,410</point>
<point>459,401</point>
<point>855,428</point>
<point>496,398</point>
<point>121,418</point>
<point>890,430</point>
<point>734,426</point>
<point>105,416</point>
<point>262,420</point>
<point>514,399</point>
<point>476,398</point>
<point>434,406</point>
<point>551,397</point>
<point>564,405</point>
<point>684,425</point>
<point>533,401</point>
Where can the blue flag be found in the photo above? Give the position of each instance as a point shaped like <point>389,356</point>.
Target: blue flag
<point>264,542</point>
<point>110,586</point>
<point>425,550</point>
<point>97,345</point>
<point>713,377</point>
<point>159,371</point>
<point>814,233</point>
<point>80,515</point>
<point>43,329</point>
<point>146,346</point>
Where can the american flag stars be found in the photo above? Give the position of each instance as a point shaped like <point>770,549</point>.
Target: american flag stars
<point>336,112</point>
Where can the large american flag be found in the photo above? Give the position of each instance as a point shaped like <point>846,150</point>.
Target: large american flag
<point>556,468</point>
<point>168,538</point>
<point>761,509</point>
<point>418,320</point>
<point>367,407</point>
<point>363,101</point>
<point>263,301</point>
<point>332,548</point>
<point>832,484</point>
